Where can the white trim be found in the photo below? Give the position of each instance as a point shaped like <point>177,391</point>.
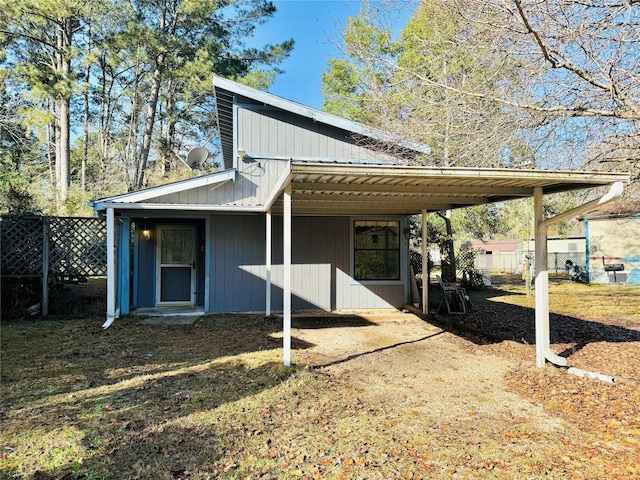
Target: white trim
<point>549,178</point>
<point>425,264</point>
<point>268,261</point>
<point>111,269</point>
<point>286,288</point>
<point>234,123</point>
<point>185,207</point>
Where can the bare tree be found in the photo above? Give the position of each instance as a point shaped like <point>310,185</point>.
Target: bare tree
<point>579,73</point>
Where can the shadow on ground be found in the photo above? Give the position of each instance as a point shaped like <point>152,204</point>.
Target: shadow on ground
<point>491,322</point>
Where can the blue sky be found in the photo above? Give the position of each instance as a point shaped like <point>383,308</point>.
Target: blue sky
<point>315,26</point>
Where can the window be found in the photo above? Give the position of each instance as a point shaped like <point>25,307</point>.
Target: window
<point>376,254</point>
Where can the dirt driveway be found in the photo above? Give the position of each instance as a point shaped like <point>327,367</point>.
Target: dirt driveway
<point>401,361</point>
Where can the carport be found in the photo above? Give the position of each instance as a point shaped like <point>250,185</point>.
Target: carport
<point>282,158</point>
<point>347,189</point>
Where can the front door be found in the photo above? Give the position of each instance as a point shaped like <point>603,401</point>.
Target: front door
<point>177,265</point>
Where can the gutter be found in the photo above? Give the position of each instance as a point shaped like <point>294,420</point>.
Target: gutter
<point>614,192</point>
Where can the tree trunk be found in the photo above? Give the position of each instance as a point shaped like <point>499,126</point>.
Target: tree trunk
<point>448,253</point>
<point>63,106</point>
<point>169,137</point>
<point>85,122</point>
<point>149,122</point>
<point>64,150</point>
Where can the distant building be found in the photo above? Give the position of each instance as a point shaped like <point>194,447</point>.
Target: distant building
<point>509,255</point>
<point>613,243</point>
<point>494,254</point>
<point>561,250</point>
<point>574,245</point>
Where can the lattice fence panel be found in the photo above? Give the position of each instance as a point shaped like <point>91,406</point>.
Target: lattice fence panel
<point>21,246</point>
<point>78,247</point>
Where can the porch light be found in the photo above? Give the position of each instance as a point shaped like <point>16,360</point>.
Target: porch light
<point>407,233</point>
<point>241,154</point>
<point>146,233</point>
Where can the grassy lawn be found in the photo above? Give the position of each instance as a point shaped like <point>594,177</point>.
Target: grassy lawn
<point>212,400</point>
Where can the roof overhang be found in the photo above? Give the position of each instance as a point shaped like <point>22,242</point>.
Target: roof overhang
<point>343,189</point>
<point>135,200</point>
<point>353,189</point>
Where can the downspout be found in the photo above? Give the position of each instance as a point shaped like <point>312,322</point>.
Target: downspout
<point>543,343</point>
<point>112,313</point>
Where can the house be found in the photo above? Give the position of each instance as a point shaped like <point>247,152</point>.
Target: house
<point>310,212</point>
<point>499,255</point>
<point>560,250</point>
<point>613,241</point>
<point>511,255</point>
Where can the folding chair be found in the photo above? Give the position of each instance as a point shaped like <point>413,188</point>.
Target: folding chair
<point>454,297</point>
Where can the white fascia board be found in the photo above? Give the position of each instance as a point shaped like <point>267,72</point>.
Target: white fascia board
<point>154,192</point>
<point>316,115</point>
<point>183,207</point>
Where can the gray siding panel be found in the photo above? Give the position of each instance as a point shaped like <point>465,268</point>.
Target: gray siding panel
<point>297,137</point>
<point>237,252</point>
<point>320,272</point>
<point>267,133</point>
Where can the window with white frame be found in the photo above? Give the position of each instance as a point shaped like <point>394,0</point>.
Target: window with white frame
<point>376,250</point>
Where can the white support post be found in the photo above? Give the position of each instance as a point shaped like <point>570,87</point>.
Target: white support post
<point>286,301</point>
<point>542,279</point>
<point>268,262</point>
<point>543,337</point>
<point>425,265</point>
<point>543,340</point>
<point>111,268</point>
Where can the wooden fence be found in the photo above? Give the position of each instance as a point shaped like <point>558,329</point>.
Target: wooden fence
<point>69,249</point>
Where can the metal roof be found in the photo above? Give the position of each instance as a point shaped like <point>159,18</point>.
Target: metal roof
<point>352,189</point>
<point>341,189</point>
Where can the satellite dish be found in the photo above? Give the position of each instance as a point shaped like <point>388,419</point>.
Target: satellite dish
<point>197,156</point>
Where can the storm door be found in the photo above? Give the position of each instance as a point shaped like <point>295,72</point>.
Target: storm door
<point>177,265</point>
